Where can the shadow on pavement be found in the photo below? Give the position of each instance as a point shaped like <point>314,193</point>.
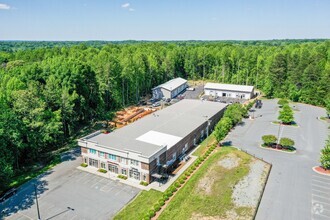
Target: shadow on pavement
<point>25,197</point>
<point>71,155</point>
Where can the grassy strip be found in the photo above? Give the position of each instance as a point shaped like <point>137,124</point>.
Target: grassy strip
<point>26,176</point>
<point>210,140</point>
<point>140,205</point>
<point>190,200</point>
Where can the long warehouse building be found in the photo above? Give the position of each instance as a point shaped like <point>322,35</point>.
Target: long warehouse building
<point>138,150</point>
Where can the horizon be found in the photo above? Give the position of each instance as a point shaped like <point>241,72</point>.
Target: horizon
<point>131,20</point>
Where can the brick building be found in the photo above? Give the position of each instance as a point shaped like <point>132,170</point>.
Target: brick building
<point>153,143</point>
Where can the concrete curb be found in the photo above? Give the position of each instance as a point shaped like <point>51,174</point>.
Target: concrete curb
<point>267,148</point>
<point>290,126</point>
<point>324,174</point>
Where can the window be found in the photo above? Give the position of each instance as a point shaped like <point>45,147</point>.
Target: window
<point>113,168</point>
<point>185,148</point>
<point>174,156</point>
<point>93,163</point>
<point>124,172</point>
<point>101,154</point>
<point>144,177</point>
<point>102,165</point>
<point>134,162</point>
<point>112,157</point>
<point>134,173</point>
<point>85,160</point>
<point>123,160</point>
<point>92,151</point>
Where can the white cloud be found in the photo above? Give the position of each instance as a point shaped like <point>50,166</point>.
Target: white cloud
<point>4,6</point>
<point>131,9</point>
<point>126,5</point>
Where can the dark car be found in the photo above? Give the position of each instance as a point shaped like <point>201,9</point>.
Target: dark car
<point>8,194</point>
<point>258,104</point>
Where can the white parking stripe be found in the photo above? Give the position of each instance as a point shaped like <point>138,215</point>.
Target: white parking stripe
<point>321,177</point>
<point>321,191</point>
<point>324,187</point>
<point>320,181</point>
<point>326,198</point>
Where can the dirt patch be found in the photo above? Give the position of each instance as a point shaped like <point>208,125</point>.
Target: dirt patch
<point>205,184</point>
<point>229,162</point>
<point>230,215</point>
<point>247,191</point>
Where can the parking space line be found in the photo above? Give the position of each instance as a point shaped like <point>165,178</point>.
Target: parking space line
<point>321,181</point>
<point>321,192</point>
<point>325,203</point>
<point>321,177</point>
<point>319,214</point>
<point>25,215</point>
<point>324,187</point>
<point>325,198</point>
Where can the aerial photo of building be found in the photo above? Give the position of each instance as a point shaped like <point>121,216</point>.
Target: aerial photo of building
<point>170,89</point>
<point>154,143</point>
<point>229,90</point>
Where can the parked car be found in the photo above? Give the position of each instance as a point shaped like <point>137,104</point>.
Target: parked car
<point>190,89</point>
<point>156,104</point>
<point>8,194</point>
<point>258,104</point>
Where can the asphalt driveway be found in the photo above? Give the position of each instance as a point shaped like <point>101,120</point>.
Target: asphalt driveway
<point>293,190</point>
<point>68,193</point>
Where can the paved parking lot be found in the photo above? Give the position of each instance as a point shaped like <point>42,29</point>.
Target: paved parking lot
<point>293,190</point>
<point>68,193</point>
<point>199,89</point>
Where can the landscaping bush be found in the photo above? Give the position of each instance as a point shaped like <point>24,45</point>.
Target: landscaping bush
<point>157,207</point>
<point>102,170</point>
<point>84,165</point>
<point>122,177</point>
<point>182,181</point>
<point>286,143</point>
<point>161,202</point>
<point>283,102</point>
<point>325,155</point>
<point>177,184</point>
<point>222,128</point>
<point>165,197</point>
<point>269,139</point>
<point>144,183</point>
<point>152,213</point>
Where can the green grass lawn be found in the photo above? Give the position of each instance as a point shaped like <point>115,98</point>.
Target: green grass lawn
<point>190,201</point>
<point>140,205</point>
<point>210,140</point>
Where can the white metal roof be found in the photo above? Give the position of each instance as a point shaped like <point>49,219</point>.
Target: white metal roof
<point>159,139</point>
<point>228,87</point>
<point>173,84</point>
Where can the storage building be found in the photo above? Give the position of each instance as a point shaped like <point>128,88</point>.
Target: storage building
<point>229,90</point>
<point>169,89</point>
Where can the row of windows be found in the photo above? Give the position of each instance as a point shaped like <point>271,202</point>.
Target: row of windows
<point>114,157</point>
<point>133,173</point>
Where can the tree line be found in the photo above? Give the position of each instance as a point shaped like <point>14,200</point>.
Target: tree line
<point>48,92</point>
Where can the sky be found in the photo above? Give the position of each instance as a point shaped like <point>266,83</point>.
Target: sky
<point>164,19</point>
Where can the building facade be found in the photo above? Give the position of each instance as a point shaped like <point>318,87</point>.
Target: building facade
<point>169,89</point>
<point>229,90</point>
<point>153,143</point>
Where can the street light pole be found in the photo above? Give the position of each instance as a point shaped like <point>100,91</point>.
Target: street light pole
<point>36,193</point>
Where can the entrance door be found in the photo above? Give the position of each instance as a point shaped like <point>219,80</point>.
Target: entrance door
<point>224,94</point>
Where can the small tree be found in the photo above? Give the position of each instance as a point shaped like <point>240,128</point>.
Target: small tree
<point>327,106</point>
<point>283,102</point>
<point>269,139</point>
<point>325,155</point>
<point>286,143</point>
<point>286,115</point>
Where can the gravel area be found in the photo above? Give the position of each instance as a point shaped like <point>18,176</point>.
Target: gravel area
<point>229,162</point>
<point>247,191</point>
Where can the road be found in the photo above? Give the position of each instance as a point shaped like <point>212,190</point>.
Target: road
<point>293,190</point>
<point>65,192</point>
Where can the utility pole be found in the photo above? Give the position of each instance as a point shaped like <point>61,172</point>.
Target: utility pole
<point>36,193</point>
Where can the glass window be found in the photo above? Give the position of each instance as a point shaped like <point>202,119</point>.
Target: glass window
<point>103,165</point>
<point>123,160</point>
<point>92,151</point>
<point>134,173</point>
<point>112,157</point>
<point>93,163</point>
<point>124,172</point>
<point>134,162</point>
<point>101,154</point>
<point>113,168</point>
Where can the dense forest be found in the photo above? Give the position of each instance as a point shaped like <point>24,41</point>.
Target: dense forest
<point>48,90</point>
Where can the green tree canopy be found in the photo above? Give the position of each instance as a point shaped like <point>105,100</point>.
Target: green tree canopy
<point>286,115</point>
<point>286,142</point>
<point>269,139</point>
<point>283,102</point>
<point>325,155</point>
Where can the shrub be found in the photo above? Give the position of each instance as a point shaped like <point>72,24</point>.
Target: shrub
<point>84,165</point>
<point>177,184</point>
<point>222,128</point>
<point>146,216</point>
<point>102,170</point>
<point>152,213</point>
<point>283,102</point>
<point>144,183</point>
<point>325,155</point>
<point>165,197</point>
<point>122,177</point>
<point>182,181</point>
<point>157,207</point>
<point>269,139</point>
<point>286,142</point>
<point>161,202</point>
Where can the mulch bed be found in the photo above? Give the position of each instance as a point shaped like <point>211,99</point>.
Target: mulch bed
<point>321,170</point>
